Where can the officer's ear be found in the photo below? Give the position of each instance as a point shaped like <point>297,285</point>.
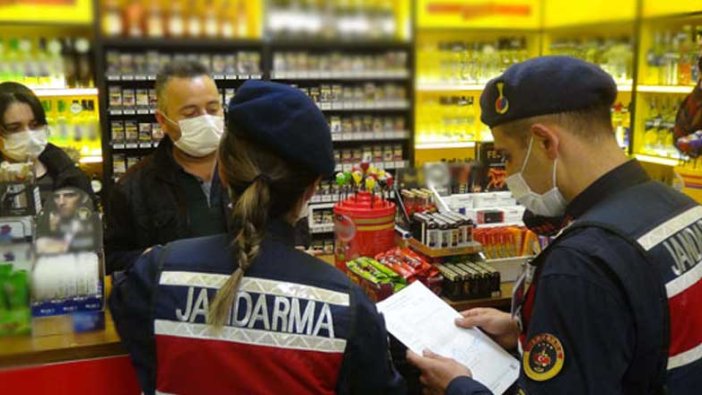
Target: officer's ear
<point>546,138</point>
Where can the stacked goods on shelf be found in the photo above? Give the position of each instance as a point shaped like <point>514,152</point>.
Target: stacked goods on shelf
<point>412,267</point>
<point>614,55</point>
<point>672,58</point>
<point>295,64</point>
<point>47,62</point>
<point>469,280</point>
<point>335,20</point>
<point>129,123</point>
<point>225,19</point>
<point>447,119</point>
<point>74,125</point>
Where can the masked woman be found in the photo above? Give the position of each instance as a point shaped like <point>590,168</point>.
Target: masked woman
<point>23,137</point>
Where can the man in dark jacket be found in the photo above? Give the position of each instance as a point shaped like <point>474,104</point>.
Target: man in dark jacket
<point>174,193</point>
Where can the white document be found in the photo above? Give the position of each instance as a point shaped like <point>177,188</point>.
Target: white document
<point>422,321</point>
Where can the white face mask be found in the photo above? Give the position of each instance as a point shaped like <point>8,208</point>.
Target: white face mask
<point>200,136</point>
<point>550,204</point>
<point>28,144</point>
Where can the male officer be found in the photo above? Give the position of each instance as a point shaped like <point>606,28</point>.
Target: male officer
<point>613,305</point>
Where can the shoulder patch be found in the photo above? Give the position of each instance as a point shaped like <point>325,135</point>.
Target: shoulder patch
<point>543,357</point>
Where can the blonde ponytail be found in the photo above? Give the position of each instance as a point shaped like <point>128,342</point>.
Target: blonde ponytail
<point>250,214</point>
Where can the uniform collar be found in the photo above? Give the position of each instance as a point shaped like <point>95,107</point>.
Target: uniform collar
<point>279,229</point>
<point>616,180</point>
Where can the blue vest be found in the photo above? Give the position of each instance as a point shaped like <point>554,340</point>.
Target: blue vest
<point>666,228</point>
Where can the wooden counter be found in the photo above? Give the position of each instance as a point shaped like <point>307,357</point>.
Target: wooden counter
<point>34,350</point>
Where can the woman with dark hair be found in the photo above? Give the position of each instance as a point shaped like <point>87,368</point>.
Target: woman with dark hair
<point>245,312</point>
<point>23,137</point>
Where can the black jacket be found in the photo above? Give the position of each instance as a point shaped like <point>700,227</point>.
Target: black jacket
<point>63,171</point>
<point>146,208</point>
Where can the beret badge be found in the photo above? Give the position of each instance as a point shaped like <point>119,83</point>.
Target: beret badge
<point>501,104</point>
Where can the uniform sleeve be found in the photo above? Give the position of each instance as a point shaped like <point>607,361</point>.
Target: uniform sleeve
<point>580,310</point>
<point>367,366</point>
<point>466,386</point>
<point>120,251</point>
<point>131,303</point>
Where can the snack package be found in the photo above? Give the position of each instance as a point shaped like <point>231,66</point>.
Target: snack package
<point>376,279</point>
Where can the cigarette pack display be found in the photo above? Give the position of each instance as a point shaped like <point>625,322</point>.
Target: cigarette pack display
<point>131,132</point>
<point>145,134</point>
<point>115,94</point>
<point>117,132</point>
<point>142,98</point>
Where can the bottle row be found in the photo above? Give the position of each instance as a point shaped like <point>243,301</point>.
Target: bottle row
<point>614,55</point>
<point>73,123</point>
<point>57,62</point>
<point>331,19</point>
<point>300,65</point>
<point>672,59</point>
<point>471,62</point>
<point>175,19</point>
<point>127,66</point>
<point>658,136</point>
<point>447,119</point>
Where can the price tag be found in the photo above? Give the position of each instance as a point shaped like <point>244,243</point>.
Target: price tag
<point>127,78</point>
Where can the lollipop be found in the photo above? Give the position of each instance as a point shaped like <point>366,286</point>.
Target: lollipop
<point>370,183</point>
<point>340,179</point>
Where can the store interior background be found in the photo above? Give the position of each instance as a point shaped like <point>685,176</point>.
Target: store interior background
<point>413,68</point>
<point>436,55</point>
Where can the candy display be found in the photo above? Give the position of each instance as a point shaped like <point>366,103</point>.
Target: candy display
<point>412,267</point>
<point>376,279</point>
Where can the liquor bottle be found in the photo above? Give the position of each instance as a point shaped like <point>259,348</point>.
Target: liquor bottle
<point>111,19</point>
<point>84,72</point>
<point>228,16</point>
<point>69,62</point>
<point>242,20</point>
<point>134,19</point>
<point>154,20</point>
<point>210,19</point>
<point>176,20</point>
<point>194,20</point>
<point>56,68</point>
<point>686,56</point>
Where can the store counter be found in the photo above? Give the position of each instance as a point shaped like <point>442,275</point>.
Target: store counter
<point>76,363</point>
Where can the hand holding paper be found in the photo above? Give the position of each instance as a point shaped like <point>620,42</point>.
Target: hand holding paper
<point>422,321</point>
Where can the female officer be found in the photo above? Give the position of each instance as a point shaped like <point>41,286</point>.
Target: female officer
<point>24,137</point>
<point>245,312</point>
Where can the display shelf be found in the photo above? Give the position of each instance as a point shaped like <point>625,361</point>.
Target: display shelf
<point>62,92</point>
<point>447,145</point>
<point>659,160</point>
<point>200,44</point>
<point>152,77</point>
<point>399,105</point>
<point>500,224</point>
<point>370,136</point>
<point>679,89</point>
<point>472,248</point>
<point>400,164</point>
<point>502,302</point>
<point>449,87</point>
<point>340,44</point>
<point>624,87</point>
<point>320,229</point>
<point>332,75</point>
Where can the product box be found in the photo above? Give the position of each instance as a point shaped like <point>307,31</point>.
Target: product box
<point>145,134</point>
<point>15,266</point>
<point>485,200</point>
<point>117,132</point>
<point>131,132</point>
<point>115,94</point>
<point>491,216</point>
<point>513,214</point>
<point>493,166</point>
<point>68,274</point>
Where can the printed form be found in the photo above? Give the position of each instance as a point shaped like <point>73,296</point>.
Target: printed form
<point>422,321</point>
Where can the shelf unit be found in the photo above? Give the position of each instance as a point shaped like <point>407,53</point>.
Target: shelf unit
<point>144,80</point>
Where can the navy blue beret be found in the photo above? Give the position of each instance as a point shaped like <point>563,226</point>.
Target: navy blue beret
<point>545,85</point>
<point>286,121</point>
